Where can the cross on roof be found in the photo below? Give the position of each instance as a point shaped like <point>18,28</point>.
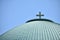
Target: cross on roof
<point>39,15</point>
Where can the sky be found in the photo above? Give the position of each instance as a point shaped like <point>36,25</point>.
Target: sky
<point>16,12</point>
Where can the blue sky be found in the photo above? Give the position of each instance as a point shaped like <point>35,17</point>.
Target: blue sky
<point>17,12</point>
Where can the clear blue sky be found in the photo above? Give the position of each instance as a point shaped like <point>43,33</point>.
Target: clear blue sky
<point>17,12</point>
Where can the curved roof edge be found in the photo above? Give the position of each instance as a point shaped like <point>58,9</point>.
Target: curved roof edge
<point>39,20</point>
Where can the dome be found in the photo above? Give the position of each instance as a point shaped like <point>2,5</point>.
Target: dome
<point>35,30</point>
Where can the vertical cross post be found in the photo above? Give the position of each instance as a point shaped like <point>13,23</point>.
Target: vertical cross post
<point>39,15</point>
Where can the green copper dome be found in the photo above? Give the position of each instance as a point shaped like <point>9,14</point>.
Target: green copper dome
<point>35,30</point>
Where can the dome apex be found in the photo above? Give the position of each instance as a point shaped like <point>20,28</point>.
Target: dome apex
<point>39,19</point>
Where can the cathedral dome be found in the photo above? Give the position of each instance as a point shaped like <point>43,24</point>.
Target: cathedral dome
<point>34,30</point>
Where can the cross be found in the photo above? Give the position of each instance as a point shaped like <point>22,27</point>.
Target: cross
<point>39,15</point>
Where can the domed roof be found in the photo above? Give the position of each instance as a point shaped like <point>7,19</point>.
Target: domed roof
<point>36,30</point>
